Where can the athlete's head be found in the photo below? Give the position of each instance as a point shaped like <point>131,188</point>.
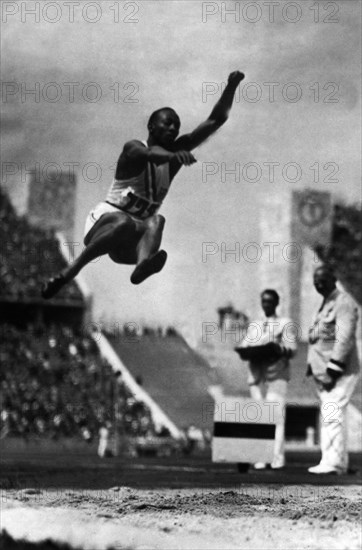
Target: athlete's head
<point>164,126</point>
<point>324,280</point>
<point>269,301</point>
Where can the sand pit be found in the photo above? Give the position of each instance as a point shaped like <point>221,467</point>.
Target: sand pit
<point>298,517</point>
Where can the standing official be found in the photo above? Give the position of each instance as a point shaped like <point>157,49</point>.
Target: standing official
<point>270,343</point>
<point>333,362</point>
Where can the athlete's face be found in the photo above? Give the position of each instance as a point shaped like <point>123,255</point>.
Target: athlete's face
<point>166,128</point>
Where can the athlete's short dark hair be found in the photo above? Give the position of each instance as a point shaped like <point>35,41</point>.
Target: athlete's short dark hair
<point>155,114</point>
<point>271,292</point>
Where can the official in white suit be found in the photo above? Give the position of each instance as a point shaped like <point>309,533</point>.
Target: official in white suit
<point>333,362</point>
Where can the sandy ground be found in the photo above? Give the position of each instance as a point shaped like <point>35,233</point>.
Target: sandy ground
<point>251,516</point>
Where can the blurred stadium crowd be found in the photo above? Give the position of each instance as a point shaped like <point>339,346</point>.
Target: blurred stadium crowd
<point>55,384</point>
<point>29,255</point>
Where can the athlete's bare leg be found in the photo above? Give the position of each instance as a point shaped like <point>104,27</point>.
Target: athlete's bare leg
<point>110,230</point>
<point>149,259</point>
<point>119,230</point>
<point>126,242</point>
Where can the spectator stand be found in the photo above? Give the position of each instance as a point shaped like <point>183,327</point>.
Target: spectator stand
<point>29,255</point>
<point>67,250</point>
<point>55,383</point>
<point>160,419</point>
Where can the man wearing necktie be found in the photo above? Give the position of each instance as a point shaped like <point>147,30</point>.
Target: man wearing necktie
<point>333,362</point>
<point>270,343</point>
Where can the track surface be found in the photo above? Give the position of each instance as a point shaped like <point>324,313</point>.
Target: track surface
<point>85,471</point>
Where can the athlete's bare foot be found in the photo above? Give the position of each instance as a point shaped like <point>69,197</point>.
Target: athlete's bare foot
<point>53,286</point>
<point>149,267</point>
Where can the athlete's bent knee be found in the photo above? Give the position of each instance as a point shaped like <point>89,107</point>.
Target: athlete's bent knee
<point>161,220</point>
<point>157,222</point>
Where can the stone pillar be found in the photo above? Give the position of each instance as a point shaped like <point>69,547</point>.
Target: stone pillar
<point>293,223</point>
<point>275,234</point>
<point>51,201</point>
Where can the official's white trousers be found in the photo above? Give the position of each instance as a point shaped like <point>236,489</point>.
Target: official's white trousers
<point>333,422</point>
<point>274,392</point>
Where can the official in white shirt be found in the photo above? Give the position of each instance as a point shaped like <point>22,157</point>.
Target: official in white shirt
<point>269,374</point>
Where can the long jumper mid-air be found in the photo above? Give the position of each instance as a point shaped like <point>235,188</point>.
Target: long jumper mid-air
<point>126,225</point>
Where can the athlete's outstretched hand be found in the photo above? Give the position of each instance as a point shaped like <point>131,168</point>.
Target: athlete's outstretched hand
<point>236,77</point>
<point>185,157</point>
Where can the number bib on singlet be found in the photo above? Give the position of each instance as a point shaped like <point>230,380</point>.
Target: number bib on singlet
<point>137,206</point>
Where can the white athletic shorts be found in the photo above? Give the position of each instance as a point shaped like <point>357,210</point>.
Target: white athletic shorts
<point>105,208</point>
<point>96,213</point>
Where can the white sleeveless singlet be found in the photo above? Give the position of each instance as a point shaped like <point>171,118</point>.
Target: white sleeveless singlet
<point>142,195</point>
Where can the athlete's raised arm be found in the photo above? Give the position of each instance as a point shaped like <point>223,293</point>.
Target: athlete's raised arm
<point>217,118</point>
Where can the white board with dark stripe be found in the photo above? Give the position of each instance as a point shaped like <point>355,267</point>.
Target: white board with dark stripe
<point>243,431</point>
